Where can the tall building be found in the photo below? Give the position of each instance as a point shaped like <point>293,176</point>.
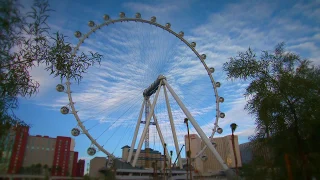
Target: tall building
<point>80,168</point>
<point>39,150</point>
<point>61,157</point>
<point>19,146</point>
<point>56,154</point>
<point>211,165</point>
<point>73,164</point>
<point>8,141</point>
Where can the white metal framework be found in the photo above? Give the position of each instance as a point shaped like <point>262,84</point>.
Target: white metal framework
<point>162,82</point>
<point>146,103</point>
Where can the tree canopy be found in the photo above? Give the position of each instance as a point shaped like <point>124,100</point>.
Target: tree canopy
<point>26,41</point>
<point>283,96</point>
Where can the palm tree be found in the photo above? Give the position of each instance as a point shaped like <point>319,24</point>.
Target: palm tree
<point>233,127</point>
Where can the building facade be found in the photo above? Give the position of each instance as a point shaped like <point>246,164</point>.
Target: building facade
<point>80,168</point>
<point>96,164</point>
<point>61,157</point>
<point>7,141</point>
<point>195,147</point>
<point>19,146</point>
<point>210,164</point>
<point>225,149</point>
<point>39,150</point>
<point>54,154</point>
<point>154,157</point>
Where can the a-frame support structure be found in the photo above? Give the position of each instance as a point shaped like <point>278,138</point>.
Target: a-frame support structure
<point>155,88</point>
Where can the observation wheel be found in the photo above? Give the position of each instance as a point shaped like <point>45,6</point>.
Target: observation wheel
<point>150,79</point>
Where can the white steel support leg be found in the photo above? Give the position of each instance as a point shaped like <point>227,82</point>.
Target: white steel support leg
<point>136,132</point>
<point>159,131</point>
<point>146,127</point>
<point>196,126</point>
<point>205,147</point>
<point>172,127</point>
<point>160,134</point>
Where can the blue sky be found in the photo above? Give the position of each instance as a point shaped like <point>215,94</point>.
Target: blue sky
<point>108,99</point>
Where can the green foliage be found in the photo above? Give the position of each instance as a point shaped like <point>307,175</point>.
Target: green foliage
<point>108,173</point>
<point>283,96</point>
<point>26,42</point>
<point>86,177</point>
<point>34,169</point>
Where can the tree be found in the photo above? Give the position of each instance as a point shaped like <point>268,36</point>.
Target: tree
<point>283,97</point>
<point>38,168</point>
<point>26,42</point>
<point>108,173</point>
<point>46,171</point>
<point>86,177</point>
<point>233,127</point>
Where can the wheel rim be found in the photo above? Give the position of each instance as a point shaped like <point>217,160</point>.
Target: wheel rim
<point>167,28</point>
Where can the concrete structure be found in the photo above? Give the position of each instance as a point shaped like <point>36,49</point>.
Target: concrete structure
<point>225,149</point>
<point>195,146</point>
<point>27,151</point>
<point>211,165</point>
<point>96,164</point>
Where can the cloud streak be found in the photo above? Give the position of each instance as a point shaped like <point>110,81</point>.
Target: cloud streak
<point>135,54</point>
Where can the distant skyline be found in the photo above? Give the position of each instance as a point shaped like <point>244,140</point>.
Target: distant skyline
<point>220,29</point>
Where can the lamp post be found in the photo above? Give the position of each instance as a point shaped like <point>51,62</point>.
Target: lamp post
<point>171,152</point>
<point>233,127</point>
<point>165,163</point>
<point>189,151</point>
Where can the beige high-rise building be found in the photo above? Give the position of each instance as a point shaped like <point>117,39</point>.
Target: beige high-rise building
<point>211,165</point>
<point>225,149</point>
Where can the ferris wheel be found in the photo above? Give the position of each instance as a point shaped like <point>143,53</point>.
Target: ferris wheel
<point>150,79</point>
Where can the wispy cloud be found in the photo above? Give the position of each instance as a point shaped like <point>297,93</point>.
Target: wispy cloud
<point>135,54</point>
